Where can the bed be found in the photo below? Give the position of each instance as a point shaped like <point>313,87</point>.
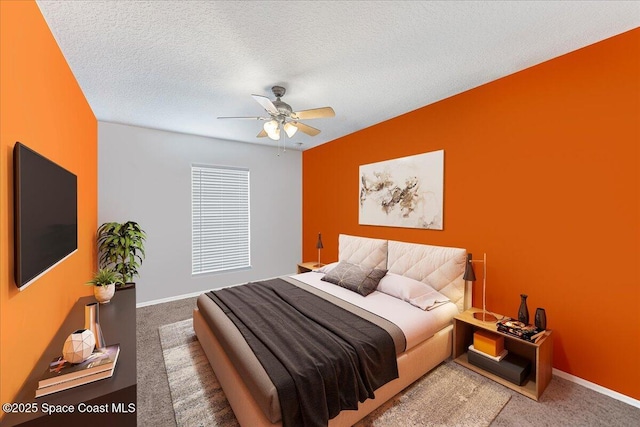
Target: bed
<point>427,330</point>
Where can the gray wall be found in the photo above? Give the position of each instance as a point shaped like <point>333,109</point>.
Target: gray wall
<point>144,175</point>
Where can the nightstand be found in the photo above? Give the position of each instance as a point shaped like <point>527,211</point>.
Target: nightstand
<point>540,354</point>
<point>305,267</point>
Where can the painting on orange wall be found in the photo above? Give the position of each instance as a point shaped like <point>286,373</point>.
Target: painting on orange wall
<point>404,192</point>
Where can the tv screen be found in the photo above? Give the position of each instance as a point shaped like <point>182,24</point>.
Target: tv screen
<point>46,214</point>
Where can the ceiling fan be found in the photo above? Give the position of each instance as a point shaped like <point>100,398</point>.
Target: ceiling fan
<point>282,115</point>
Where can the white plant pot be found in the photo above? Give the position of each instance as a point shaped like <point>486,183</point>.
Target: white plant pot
<point>104,293</point>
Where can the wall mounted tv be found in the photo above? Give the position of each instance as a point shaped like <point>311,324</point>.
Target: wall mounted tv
<point>46,214</point>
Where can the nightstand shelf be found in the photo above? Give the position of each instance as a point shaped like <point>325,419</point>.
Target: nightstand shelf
<point>539,354</point>
<point>305,267</point>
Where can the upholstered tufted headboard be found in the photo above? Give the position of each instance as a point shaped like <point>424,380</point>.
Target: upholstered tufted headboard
<point>371,253</point>
<point>440,267</point>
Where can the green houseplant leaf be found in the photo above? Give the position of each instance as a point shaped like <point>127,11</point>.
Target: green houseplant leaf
<point>105,276</point>
<point>121,247</point>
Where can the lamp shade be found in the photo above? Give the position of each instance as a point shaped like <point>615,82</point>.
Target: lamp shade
<point>272,128</point>
<point>290,129</point>
<point>319,242</point>
<point>469,274</point>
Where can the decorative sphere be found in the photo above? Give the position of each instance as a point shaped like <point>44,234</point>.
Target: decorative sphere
<point>79,346</point>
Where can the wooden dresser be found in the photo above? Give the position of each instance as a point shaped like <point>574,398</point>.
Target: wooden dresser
<point>107,402</point>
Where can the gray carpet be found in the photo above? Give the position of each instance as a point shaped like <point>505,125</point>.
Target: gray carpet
<point>563,403</point>
<point>198,399</point>
<point>449,395</point>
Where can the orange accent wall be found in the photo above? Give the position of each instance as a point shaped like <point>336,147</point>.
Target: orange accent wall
<point>542,174</point>
<point>42,106</point>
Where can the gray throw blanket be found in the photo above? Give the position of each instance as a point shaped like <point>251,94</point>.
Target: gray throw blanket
<point>321,358</point>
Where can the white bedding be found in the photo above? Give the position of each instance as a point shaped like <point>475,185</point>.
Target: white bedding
<point>416,324</point>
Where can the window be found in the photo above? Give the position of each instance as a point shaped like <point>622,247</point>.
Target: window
<point>220,219</point>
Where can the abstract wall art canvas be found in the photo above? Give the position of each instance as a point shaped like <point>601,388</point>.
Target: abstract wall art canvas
<point>404,192</point>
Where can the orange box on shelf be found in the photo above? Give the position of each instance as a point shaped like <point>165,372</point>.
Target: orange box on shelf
<point>487,342</point>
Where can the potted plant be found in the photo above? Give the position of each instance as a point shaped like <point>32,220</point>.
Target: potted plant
<point>104,284</point>
<point>121,247</point>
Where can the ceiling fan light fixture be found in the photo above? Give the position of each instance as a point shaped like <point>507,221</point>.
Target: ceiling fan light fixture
<point>290,129</point>
<point>281,113</point>
<point>273,129</point>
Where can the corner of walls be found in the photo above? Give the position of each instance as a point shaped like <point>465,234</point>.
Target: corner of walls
<point>542,172</point>
<point>159,163</point>
<point>42,106</point>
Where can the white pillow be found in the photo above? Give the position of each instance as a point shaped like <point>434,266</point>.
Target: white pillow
<point>327,268</point>
<point>416,293</point>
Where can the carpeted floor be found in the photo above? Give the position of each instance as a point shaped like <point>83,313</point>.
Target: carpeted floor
<point>454,395</point>
<point>198,399</point>
<point>562,404</point>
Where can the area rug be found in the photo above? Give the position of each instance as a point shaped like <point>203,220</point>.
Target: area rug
<point>449,395</point>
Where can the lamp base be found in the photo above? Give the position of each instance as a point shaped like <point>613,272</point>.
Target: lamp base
<point>485,316</point>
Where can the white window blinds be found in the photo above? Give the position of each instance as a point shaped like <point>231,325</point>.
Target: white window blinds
<point>220,219</point>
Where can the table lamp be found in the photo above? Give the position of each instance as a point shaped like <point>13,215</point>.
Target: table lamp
<point>470,275</point>
<point>319,246</point>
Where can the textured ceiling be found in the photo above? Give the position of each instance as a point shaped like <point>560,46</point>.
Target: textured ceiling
<point>177,65</point>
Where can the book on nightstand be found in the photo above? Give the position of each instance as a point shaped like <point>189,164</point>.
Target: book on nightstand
<point>517,329</point>
<point>43,391</point>
<point>496,358</point>
<point>62,375</point>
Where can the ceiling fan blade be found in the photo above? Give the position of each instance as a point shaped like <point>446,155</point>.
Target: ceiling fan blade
<point>315,113</point>
<point>262,134</point>
<point>248,118</point>
<point>306,128</point>
<point>266,103</point>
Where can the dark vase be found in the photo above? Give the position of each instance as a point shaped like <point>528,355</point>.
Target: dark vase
<point>541,319</point>
<point>523,311</point>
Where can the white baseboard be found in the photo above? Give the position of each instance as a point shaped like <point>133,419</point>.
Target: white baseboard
<point>593,386</point>
<point>193,294</point>
<point>169,299</point>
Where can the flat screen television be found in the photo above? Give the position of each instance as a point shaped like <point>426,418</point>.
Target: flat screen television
<point>46,214</point>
